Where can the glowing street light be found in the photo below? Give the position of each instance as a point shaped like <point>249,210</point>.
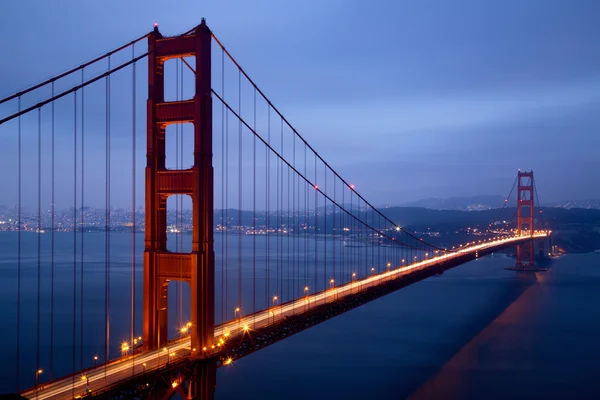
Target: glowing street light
<point>331,282</point>
<point>144,367</point>
<point>164,350</point>
<point>372,270</point>
<point>388,265</point>
<point>236,312</point>
<point>95,361</point>
<point>305,290</point>
<point>403,262</point>
<point>124,348</point>
<point>37,375</point>
<point>275,298</point>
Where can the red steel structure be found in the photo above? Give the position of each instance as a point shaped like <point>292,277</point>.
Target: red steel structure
<point>161,265</point>
<point>525,213</point>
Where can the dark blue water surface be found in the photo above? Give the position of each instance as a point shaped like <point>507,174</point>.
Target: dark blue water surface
<point>478,331</point>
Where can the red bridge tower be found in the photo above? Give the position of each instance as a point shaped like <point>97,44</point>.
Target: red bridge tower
<point>161,265</point>
<point>525,214</point>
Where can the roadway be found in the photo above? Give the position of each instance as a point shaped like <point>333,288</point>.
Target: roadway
<point>120,369</point>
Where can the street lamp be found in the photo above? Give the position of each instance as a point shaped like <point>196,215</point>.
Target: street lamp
<point>389,264</point>
<point>159,354</point>
<point>144,367</point>
<point>95,361</point>
<point>372,270</point>
<point>305,290</point>
<point>275,298</point>
<point>37,375</point>
<point>124,348</point>
<point>87,383</point>
<point>331,282</point>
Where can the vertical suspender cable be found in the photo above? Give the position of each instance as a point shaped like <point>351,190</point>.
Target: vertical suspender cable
<point>74,233</point>
<point>306,194</point>
<point>268,197</point>
<point>226,183</point>
<point>254,214</point>
<point>18,363</point>
<point>325,228</point>
<point>239,289</point>
<point>277,231</point>
<point>82,222</point>
<point>288,237</point>
<point>52,252</point>
<point>180,228</point>
<point>223,220</point>
<point>133,188</point>
<point>39,227</point>
<point>107,228</point>
<point>333,231</point>
<point>177,126</point>
<point>316,228</point>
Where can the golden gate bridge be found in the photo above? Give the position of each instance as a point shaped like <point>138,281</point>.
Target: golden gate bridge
<point>279,265</point>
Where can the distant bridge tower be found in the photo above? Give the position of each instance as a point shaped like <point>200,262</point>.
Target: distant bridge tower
<point>161,265</point>
<point>525,214</point>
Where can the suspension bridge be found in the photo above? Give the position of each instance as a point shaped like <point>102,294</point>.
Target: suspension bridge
<point>276,240</point>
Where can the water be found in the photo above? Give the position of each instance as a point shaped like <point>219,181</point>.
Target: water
<point>478,331</point>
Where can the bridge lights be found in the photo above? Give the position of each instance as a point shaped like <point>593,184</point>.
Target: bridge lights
<point>237,313</point>
<point>95,361</point>
<point>403,262</point>
<point>398,229</point>
<point>144,367</point>
<point>352,186</point>
<point>37,375</point>
<point>388,265</point>
<point>372,270</point>
<point>124,348</point>
<point>246,328</point>
<point>331,282</point>
<point>275,298</point>
<point>228,361</point>
<point>305,290</point>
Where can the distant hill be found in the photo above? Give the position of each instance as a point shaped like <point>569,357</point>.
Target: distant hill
<point>474,203</point>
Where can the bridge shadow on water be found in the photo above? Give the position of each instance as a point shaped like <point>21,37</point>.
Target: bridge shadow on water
<point>458,378</point>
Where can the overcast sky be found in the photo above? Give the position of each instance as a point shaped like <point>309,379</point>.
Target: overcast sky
<point>407,99</point>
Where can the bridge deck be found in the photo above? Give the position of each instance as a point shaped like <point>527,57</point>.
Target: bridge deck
<point>106,375</point>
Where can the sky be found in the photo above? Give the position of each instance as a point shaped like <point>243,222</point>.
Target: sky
<point>404,99</point>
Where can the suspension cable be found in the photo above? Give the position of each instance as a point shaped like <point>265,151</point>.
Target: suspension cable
<point>69,72</point>
<point>233,60</point>
<point>269,147</point>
